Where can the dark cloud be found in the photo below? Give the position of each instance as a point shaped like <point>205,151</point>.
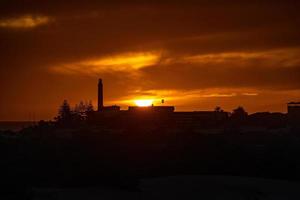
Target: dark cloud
<point>191,76</point>
<point>83,30</point>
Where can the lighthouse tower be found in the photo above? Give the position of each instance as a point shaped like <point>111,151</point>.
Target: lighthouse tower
<point>100,95</point>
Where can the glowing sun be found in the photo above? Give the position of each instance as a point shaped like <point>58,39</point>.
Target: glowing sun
<point>143,102</point>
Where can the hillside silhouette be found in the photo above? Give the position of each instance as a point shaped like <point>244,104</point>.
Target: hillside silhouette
<point>118,148</point>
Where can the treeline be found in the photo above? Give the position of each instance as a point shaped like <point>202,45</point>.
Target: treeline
<point>68,115</point>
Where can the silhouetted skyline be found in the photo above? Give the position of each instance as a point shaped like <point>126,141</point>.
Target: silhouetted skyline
<point>160,99</point>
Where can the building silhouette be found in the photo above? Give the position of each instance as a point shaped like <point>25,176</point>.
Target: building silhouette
<point>114,108</point>
<point>101,107</point>
<point>158,115</point>
<point>100,95</point>
<point>294,115</point>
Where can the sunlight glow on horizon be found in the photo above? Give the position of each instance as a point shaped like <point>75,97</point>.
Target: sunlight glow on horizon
<point>182,97</point>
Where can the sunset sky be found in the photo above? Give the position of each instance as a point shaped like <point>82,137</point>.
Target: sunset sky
<point>195,55</point>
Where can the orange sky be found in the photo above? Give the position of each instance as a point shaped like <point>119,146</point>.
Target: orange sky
<point>194,54</point>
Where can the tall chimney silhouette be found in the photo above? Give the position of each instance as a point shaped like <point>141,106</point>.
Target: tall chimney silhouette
<point>100,95</point>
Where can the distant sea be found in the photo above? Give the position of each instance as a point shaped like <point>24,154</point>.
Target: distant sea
<point>15,125</point>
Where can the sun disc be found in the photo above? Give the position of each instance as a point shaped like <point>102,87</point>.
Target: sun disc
<point>143,102</point>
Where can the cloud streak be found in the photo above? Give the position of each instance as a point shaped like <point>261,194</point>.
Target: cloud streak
<point>129,62</point>
<point>273,69</point>
<point>26,21</point>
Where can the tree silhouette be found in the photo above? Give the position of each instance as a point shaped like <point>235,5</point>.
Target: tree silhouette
<point>239,113</point>
<point>64,113</point>
<point>82,109</point>
<point>218,109</point>
<point>89,107</point>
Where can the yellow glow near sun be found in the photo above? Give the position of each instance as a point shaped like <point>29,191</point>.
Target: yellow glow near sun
<point>125,61</point>
<point>143,102</point>
<point>129,62</point>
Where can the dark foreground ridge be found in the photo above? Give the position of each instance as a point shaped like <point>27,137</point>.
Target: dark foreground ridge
<point>116,148</point>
